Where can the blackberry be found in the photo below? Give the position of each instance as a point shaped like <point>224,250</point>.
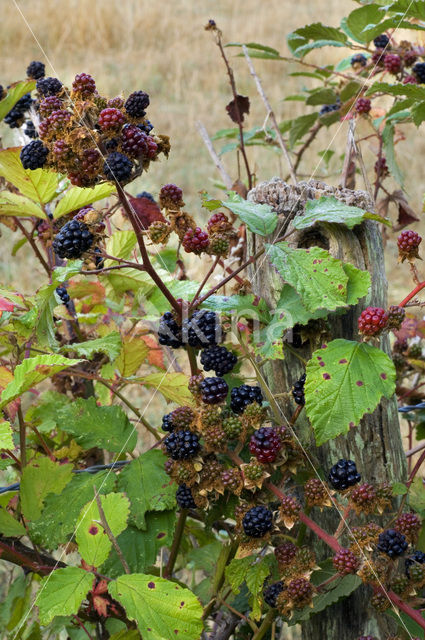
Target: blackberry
<point>133,141</point>
<point>392,63</point>
<point>378,57</point>
<point>117,167</point>
<point>182,445</point>
<point>380,602</point>
<point>48,86</point>
<point>169,332</point>
<point>218,222</point>
<point>410,58</point>
<point>24,103</point>
<point>345,562</point>
<point>363,105</point>
<point>419,72</point>
<point>180,418</point>
<point>36,70</point>
<point>415,351</point>
<point>392,543</point>
<point>358,60</point>
<point>110,118</point>
<point>167,423</point>
<point>298,391</point>
<point>63,294</point>
<point>159,232</point>
<point>14,119</point>
<point>372,321</point>
<point>34,155</point>
<point>90,162</point>
<point>409,524</point>
<point>254,471</point>
<point>99,260</point>
<point>84,84</point>
<point>147,195</point>
<point>409,79</point>
<point>381,41</point>
<point>184,497</point>
<point>232,480</point>
<point>146,127</point>
<point>285,553</point>
<point>202,329</point>
<point>48,105</point>
<point>271,593</point>
<point>195,241</point>
<point>171,196</point>
<point>136,104</point>
<point>300,592</point>
<point>72,240</point>
<point>214,390</point>
<point>315,492</point>
<point>241,397</point>
<point>289,509</point>
<point>219,245</point>
<point>408,243</point>
<point>257,522</point>
<point>116,102</point>
<point>30,129</point>
<point>399,584</point>
<point>218,359</point>
<point>343,475</point>
<point>417,557</point>
<point>395,316</point>
<point>329,108</point>
<point>152,148</point>
<point>364,498</point>
<point>265,444</point>
<point>59,119</point>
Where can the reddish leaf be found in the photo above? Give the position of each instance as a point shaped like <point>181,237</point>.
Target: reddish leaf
<point>237,108</point>
<point>100,604</point>
<point>146,211</point>
<point>86,288</point>
<point>6,305</point>
<point>156,355</point>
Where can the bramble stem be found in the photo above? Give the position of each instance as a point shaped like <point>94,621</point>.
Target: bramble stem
<point>109,533</point>
<point>265,625</point>
<point>204,281</point>
<point>192,360</point>
<point>22,438</point>
<point>178,534</point>
<point>34,247</point>
<point>412,294</point>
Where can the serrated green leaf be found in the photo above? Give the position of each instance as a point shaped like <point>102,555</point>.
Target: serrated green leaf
<point>413,91</point>
<point>259,218</point>
<point>13,204</point>
<point>236,572</point>
<point>359,283</point>
<point>62,592</point>
<point>359,19</point>
<point>45,412</point>
<point>93,544</point>
<point>388,144</point>
<point>418,113</point>
<point>6,441</point>
<point>254,579</point>
<point>147,485</point>
<point>240,305</point>
<point>10,526</point>
<point>14,93</point>
<point>417,495</point>
<point>254,45</point>
<point>339,589</point>
<point>110,345</point>
<point>318,278</point>
<point>94,426</point>
<point>40,185</point>
<point>173,386</point>
<point>31,372</point>
<point>399,489</point>
<point>322,96</point>
<point>133,352</point>
<point>350,89</point>
<point>77,197</point>
<point>331,210</point>
<point>120,244</point>
<point>345,380</point>
<point>314,35</point>
<point>59,516</point>
<point>39,478</point>
<point>158,606</point>
<point>409,8</point>
<point>300,126</point>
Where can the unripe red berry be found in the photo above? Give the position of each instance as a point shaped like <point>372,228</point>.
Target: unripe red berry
<point>110,118</point>
<point>195,241</point>
<point>345,562</point>
<point>372,321</point>
<point>363,105</point>
<point>84,84</point>
<point>265,444</point>
<point>408,243</point>
<point>171,196</point>
<point>285,553</point>
<point>392,63</point>
<point>396,316</point>
<point>409,524</point>
<point>300,591</point>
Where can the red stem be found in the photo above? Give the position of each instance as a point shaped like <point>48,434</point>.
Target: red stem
<point>416,469</point>
<point>412,294</point>
<point>412,613</point>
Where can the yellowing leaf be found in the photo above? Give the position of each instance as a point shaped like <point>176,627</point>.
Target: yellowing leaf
<point>133,352</point>
<point>39,185</point>
<point>12,204</point>
<point>78,197</point>
<point>6,441</point>
<point>173,386</point>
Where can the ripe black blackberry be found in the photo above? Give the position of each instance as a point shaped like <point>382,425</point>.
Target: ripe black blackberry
<point>167,423</point>
<point>34,155</point>
<point>117,166</point>
<point>136,104</point>
<point>63,294</point>
<point>84,84</point>
<point>265,444</point>
<point>14,118</point>
<point>343,475</point>
<point>298,391</point>
<point>72,240</point>
<point>381,41</point>
<point>147,195</point>
<point>184,497</point>
<point>48,86</point>
<point>241,397</point>
<point>180,418</point>
<point>417,557</point>
<point>218,359</point>
<point>133,141</point>
<point>329,108</point>
<point>213,390</point>
<point>359,60</point>
<point>36,70</point>
<point>257,522</point>
<point>202,329</point>
<point>182,445</point>
<point>146,127</point>
<point>392,543</point>
<point>169,332</point>
<point>24,103</point>
<point>271,593</point>
<point>419,71</point>
<point>30,129</point>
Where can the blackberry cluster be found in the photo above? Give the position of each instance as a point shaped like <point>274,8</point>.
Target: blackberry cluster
<point>372,321</point>
<point>184,497</point>
<point>272,592</point>
<point>63,294</point>
<point>48,86</point>
<point>358,60</point>
<point>298,391</point>
<point>117,167</point>
<point>36,70</point>
<point>417,557</point>
<point>72,240</point>
<point>343,475</point>
<point>363,105</point>
<point>419,72</point>
<point>182,445</point>
<point>218,359</point>
<point>345,562</point>
<point>329,108</point>
<point>202,329</point>
<point>213,390</point>
<point>30,129</point>
<point>169,332</point>
<point>392,543</point>
<point>16,116</point>
<point>34,155</point>
<point>195,241</point>
<point>257,522</point>
<point>180,418</point>
<point>265,444</point>
<point>381,41</point>
<point>136,104</point>
<point>241,397</point>
<point>408,244</point>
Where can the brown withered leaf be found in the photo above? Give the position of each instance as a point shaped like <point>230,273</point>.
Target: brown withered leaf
<point>237,108</point>
<point>239,188</point>
<point>406,214</point>
<point>146,211</point>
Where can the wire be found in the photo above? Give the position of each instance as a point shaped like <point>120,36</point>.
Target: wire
<point>413,407</point>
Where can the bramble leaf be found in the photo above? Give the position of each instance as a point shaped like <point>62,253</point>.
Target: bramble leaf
<point>134,351</point>
<point>6,441</point>
<point>14,93</point>
<point>110,345</point>
<point>10,526</point>
<point>77,197</point>
<point>13,204</point>
<point>173,386</point>
<point>345,380</point>
<point>329,209</point>
<point>62,592</point>
<point>39,478</point>
<point>259,218</point>
<point>40,185</point>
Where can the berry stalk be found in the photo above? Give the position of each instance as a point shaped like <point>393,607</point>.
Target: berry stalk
<point>412,294</point>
